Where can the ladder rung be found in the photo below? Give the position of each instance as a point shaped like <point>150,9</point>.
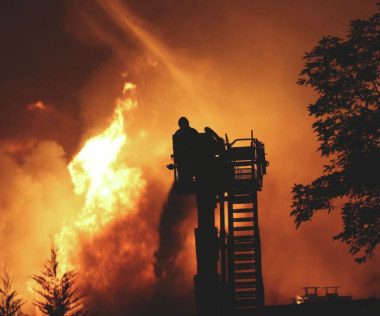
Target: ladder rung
<point>243,219</point>
<point>243,171</point>
<point>245,285</point>
<point>245,275</point>
<point>245,266</point>
<point>242,199</point>
<point>242,163</point>
<point>244,247</point>
<point>244,189</point>
<point>245,293</point>
<point>243,210</point>
<point>244,257</point>
<point>243,228</point>
<point>248,238</point>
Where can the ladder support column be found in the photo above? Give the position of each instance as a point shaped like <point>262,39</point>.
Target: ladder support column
<point>207,280</point>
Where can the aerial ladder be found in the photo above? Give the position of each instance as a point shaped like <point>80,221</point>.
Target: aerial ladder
<point>219,173</point>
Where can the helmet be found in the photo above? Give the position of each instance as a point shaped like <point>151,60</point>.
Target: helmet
<point>183,122</point>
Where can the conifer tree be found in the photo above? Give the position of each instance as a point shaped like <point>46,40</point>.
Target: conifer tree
<point>10,305</point>
<point>59,296</point>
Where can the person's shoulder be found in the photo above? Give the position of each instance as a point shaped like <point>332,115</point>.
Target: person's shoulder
<point>193,130</point>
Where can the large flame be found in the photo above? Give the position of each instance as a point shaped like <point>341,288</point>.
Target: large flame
<point>110,188</point>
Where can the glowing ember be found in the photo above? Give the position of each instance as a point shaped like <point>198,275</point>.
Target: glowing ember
<point>111,189</point>
<point>38,105</point>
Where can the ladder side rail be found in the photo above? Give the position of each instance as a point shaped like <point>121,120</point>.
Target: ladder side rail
<point>258,162</point>
<point>222,233</point>
<point>257,241</point>
<point>254,157</point>
<point>230,250</point>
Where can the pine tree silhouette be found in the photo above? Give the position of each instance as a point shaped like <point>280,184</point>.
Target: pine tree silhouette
<point>10,305</point>
<point>58,293</point>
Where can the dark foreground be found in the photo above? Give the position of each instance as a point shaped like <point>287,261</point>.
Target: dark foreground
<point>367,307</point>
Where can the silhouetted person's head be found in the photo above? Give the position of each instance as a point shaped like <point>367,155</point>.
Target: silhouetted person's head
<point>184,127</point>
<point>183,122</point>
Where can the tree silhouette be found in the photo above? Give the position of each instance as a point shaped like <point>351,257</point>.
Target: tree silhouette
<point>10,305</point>
<point>346,76</point>
<point>58,293</point>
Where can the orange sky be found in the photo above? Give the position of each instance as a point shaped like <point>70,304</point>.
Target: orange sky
<point>230,65</point>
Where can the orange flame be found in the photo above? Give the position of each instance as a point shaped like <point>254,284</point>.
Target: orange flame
<point>300,299</point>
<point>38,105</point>
<point>110,188</point>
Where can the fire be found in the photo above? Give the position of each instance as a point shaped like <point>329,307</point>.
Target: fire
<point>128,86</point>
<point>110,188</point>
<point>299,299</point>
<point>38,105</point>
<point>30,285</point>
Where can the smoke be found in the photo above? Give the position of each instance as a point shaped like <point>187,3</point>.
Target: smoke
<point>122,270</point>
<point>41,63</point>
<point>234,83</point>
<point>35,198</point>
<point>173,293</point>
<point>176,210</point>
<point>117,265</point>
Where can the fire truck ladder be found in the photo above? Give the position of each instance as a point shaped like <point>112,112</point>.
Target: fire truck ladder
<point>243,242</point>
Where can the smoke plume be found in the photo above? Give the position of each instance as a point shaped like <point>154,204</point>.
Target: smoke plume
<point>172,293</point>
